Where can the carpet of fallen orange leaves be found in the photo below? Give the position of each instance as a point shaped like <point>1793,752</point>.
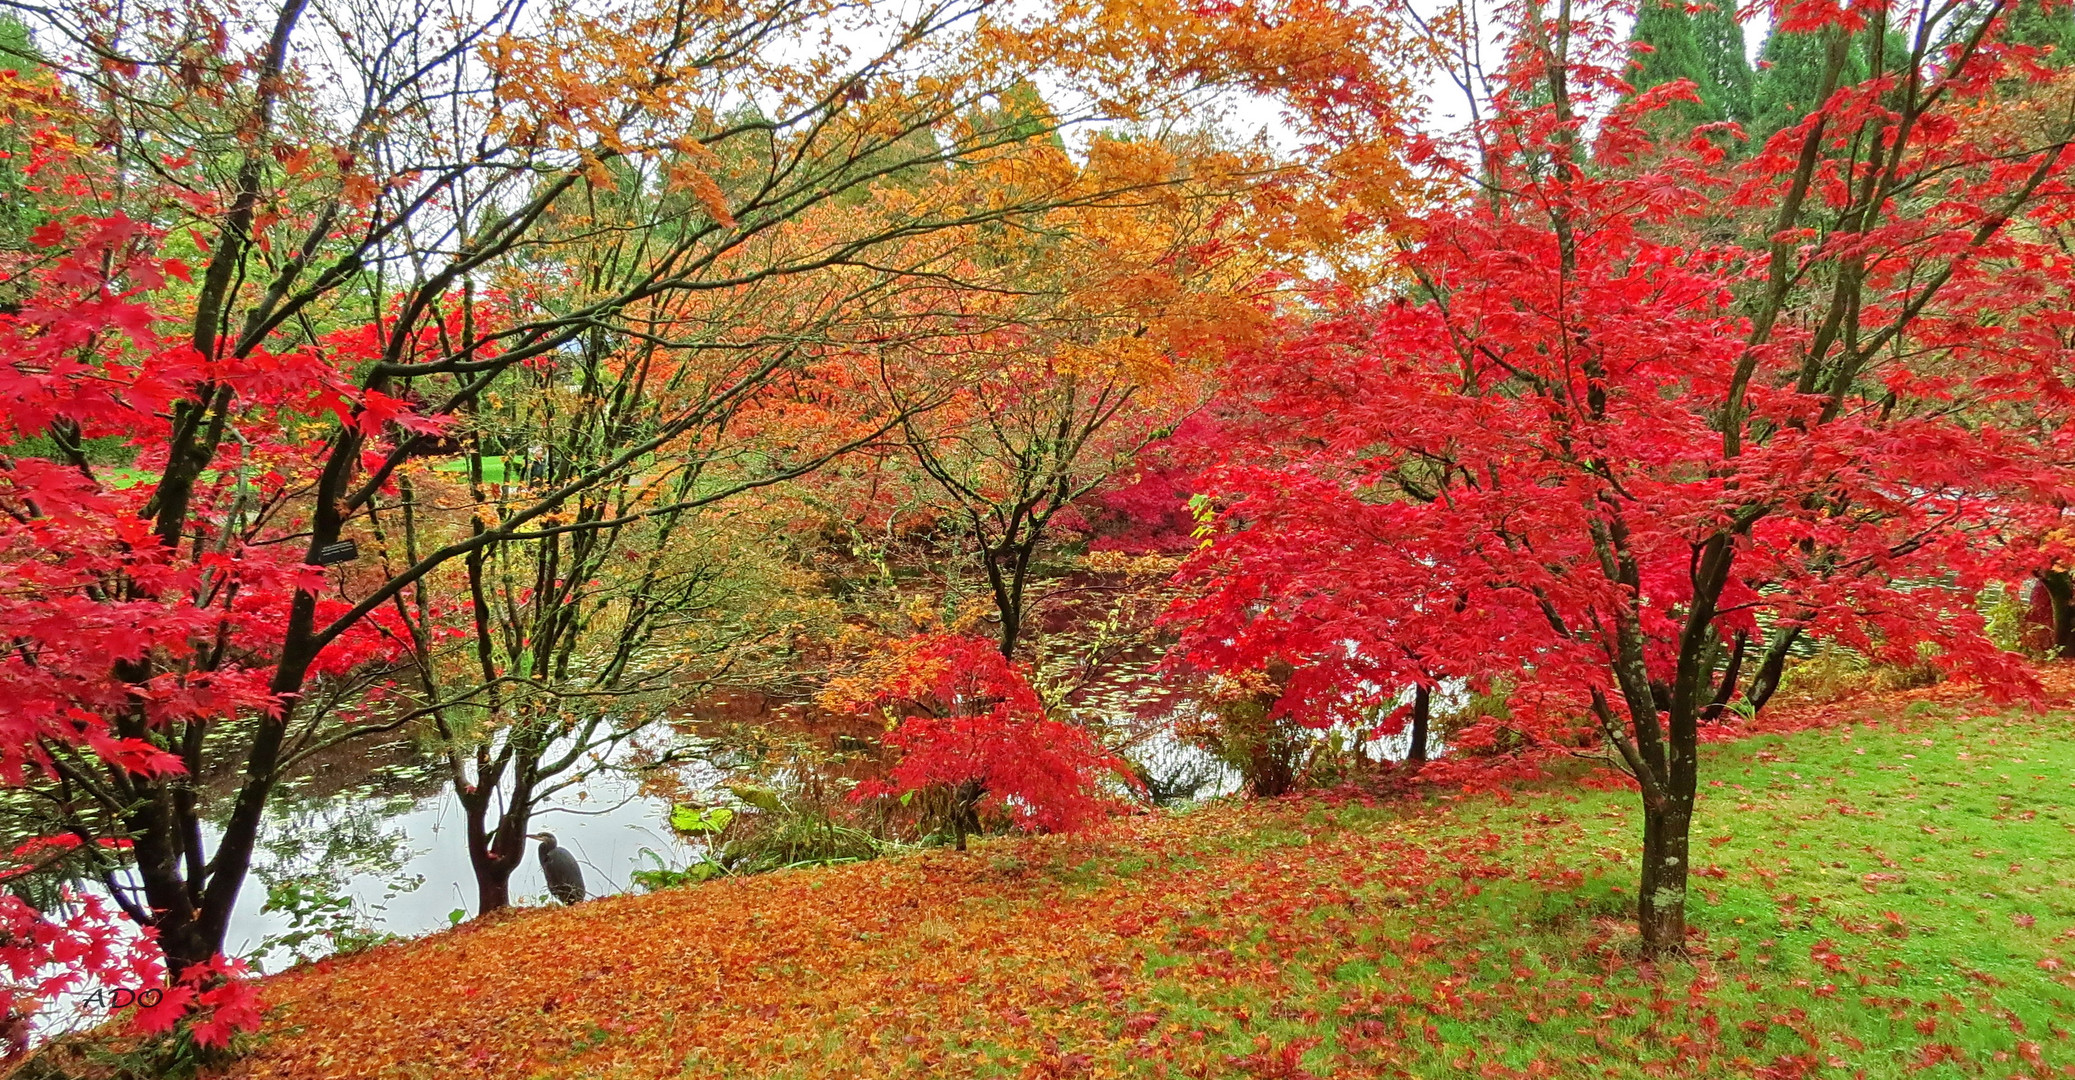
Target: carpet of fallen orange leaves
<point>1336,934</point>
<point>868,969</point>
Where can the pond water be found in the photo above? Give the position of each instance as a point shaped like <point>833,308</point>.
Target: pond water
<point>397,848</point>
<point>400,853</point>
<point>390,837</point>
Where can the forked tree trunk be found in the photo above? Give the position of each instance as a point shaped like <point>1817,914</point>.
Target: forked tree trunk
<point>1008,575</point>
<point>495,855</point>
<point>1269,770</point>
<point>965,813</point>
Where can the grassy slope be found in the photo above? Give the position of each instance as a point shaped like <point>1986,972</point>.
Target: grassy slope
<point>1875,901</point>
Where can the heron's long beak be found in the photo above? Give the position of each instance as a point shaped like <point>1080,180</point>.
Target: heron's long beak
<point>536,836</point>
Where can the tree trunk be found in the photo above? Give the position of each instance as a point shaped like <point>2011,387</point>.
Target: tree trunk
<point>493,885</point>
<point>1008,583</point>
<point>1422,708</point>
<point>240,838</point>
<point>192,916</point>
<point>2060,592</point>
<point>965,817</point>
<point>1270,774</point>
<point>1726,688</point>
<point>495,855</point>
<point>1661,905</point>
<point>1774,665</point>
<point>1672,754</point>
<point>178,920</point>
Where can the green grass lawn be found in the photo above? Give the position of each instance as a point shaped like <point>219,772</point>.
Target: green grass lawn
<point>1892,901</point>
<point>120,477</point>
<point>493,469</point>
<point>123,477</point>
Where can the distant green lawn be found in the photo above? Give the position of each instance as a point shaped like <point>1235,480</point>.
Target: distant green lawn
<point>493,468</point>
<point>121,477</point>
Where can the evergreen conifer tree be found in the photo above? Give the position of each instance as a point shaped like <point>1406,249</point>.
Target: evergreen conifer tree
<point>1703,43</point>
<point>1721,39</point>
<point>1791,67</point>
<point>1790,74</point>
<point>17,215</point>
<point>2035,22</point>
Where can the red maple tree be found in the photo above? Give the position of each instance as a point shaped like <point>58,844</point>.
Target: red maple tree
<point>114,634</point>
<point>964,719</point>
<point>1642,420</point>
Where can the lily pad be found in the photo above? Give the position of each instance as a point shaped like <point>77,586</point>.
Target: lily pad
<point>698,819</point>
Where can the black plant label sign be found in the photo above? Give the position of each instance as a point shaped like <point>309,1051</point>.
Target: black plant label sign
<point>343,551</point>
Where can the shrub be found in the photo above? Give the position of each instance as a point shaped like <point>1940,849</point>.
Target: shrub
<point>965,721</point>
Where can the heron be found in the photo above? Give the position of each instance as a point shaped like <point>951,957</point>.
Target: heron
<point>565,878</point>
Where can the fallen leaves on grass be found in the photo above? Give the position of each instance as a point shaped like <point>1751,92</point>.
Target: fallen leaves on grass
<point>1333,935</point>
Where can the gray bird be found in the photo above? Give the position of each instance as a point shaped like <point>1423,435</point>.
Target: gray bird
<point>565,878</point>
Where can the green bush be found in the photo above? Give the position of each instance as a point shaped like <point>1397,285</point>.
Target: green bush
<point>2006,614</point>
<point>1835,673</point>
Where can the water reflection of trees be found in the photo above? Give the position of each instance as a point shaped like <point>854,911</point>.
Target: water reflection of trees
<point>314,846</point>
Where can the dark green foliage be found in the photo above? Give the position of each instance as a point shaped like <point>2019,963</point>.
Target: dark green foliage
<point>2035,23</point>
<point>1792,66</point>
<point>17,217</point>
<point>108,450</point>
<point>1022,114</point>
<point>1790,74</point>
<point>799,833</point>
<point>1706,45</point>
<point>1721,39</point>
